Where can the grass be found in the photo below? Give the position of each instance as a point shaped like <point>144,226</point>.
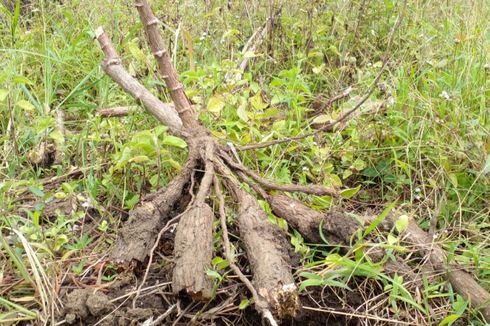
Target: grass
<point>429,150</point>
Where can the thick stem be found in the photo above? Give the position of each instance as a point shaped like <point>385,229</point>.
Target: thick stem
<point>165,66</point>
<point>140,231</point>
<point>112,66</point>
<point>463,282</point>
<point>266,246</point>
<point>194,239</point>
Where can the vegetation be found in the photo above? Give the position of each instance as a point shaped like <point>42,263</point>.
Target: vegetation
<point>420,144</point>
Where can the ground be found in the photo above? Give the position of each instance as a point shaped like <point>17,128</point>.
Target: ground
<point>420,143</point>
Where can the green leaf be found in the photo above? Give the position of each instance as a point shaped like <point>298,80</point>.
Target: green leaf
<point>392,239</point>
<point>174,141</point>
<point>379,219</point>
<point>249,54</point>
<point>216,104</point>
<point>359,164</point>
<point>139,159</point>
<point>213,274</point>
<point>244,304</point>
<point>56,135</point>
<point>257,102</point>
<point>220,263</point>
<point>349,193</point>
<point>310,282</point>
<point>36,191</point>
<point>448,320</point>
<point>309,275</point>
<point>242,111</point>
<point>22,80</point>
<point>322,118</point>
<point>61,240</point>
<point>15,18</point>
<point>3,94</point>
<point>132,201</point>
<point>136,52</point>
<point>486,167</point>
<point>401,223</point>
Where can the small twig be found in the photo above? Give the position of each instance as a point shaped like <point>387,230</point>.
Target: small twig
<point>335,98</point>
<point>155,245</point>
<point>167,313</point>
<point>11,126</point>
<point>313,189</point>
<point>117,111</point>
<point>59,153</point>
<point>207,179</point>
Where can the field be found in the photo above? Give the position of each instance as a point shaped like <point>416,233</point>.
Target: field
<point>416,146</point>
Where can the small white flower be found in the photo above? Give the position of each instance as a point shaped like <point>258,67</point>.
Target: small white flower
<point>417,197</point>
<point>417,189</point>
<point>486,66</point>
<point>305,168</point>
<point>445,95</point>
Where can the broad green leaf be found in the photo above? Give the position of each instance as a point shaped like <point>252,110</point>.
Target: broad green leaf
<point>136,52</point>
<point>310,282</point>
<point>242,111</point>
<point>213,274</point>
<point>401,223</point>
<point>216,104</point>
<point>174,141</point>
<point>309,275</point>
<point>249,54</point>
<point>359,164</point>
<point>257,102</point>
<point>132,201</point>
<point>349,193</point>
<point>220,263</point>
<point>319,69</point>
<point>60,241</point>
<point>392,239</point>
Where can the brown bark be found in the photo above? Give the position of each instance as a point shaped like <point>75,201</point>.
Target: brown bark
<point>337,229</point>
<point>266,247</point>
<point>193,253</point>
<point>117,111</point>
<point>137,236</point>
<point>313,189</point>
<point>112,66</point>
<point>194,240</point>
<point>463,282</point>
<point>165,66</point>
